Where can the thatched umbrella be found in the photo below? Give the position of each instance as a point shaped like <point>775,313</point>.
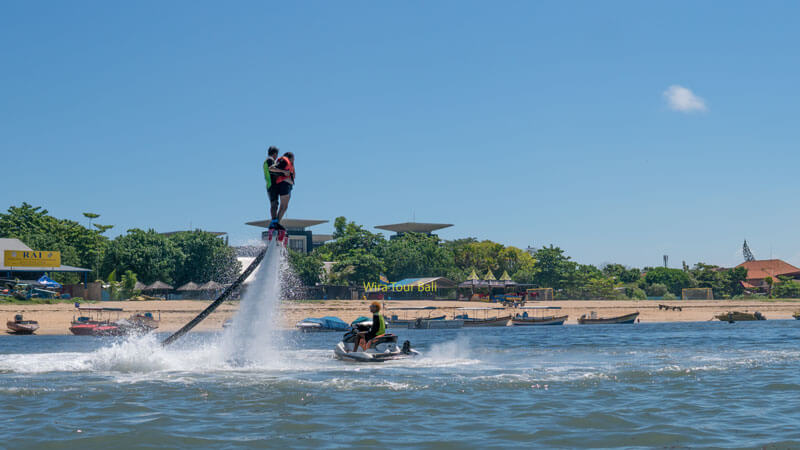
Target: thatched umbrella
<point>139,286</point>
<point>211,288</point>
<point>188,287</point>
<point>158,287</point>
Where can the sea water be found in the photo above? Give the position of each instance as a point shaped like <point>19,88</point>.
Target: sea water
<point>708,384</point>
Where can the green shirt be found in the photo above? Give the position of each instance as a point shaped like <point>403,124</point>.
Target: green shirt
<point>268,176</point>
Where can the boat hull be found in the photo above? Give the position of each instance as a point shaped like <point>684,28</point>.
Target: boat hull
<point>29,327</point>
<point>435,324</point>
<point>494,322</point>
<point>96,330</point>
<point>736,316</point>
<point>626,319</point>
<point>534,321</point>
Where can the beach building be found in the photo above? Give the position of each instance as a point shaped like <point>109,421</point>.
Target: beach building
<point>31,271</point>
<point>759,270</point>
<point>413,227</point>
<point>300,239</point>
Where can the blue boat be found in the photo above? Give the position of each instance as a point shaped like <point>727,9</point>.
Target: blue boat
<point>327,323</point>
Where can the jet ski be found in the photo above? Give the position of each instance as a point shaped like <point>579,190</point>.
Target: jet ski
<point>381,348</point>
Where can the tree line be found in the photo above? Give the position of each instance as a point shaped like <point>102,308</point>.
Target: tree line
<point>140,255</point>
<point>361,256</point>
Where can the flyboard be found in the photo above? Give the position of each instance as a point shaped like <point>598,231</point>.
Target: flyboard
<point>279,238</point>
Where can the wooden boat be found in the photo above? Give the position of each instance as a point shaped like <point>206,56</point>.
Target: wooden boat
<point>737,316</point>
<point>486,321</point>
<point>436,324</point>
<point>403,320</point>
<point>796,315</point>
<point>139,323</point>
<point>540,319</point>
<point>592,319</point>
<point>21,326</point>
<point>96,322</point>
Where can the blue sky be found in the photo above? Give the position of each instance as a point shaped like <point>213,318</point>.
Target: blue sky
<point>528,123</point>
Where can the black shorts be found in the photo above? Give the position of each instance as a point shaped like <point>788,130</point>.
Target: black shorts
<point>272,193</point>
<point>369,336</point>
<point>284,188</point>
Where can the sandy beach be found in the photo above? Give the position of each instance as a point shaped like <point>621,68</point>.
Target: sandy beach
<point>55,319</point>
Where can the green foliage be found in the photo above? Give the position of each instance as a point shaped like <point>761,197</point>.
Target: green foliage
<point>356,268</point>
<point>79,246</point>
<point>415,254</point>
<point>786,289</point>
<point>128,284</point>
<point>656,290</point>
<point>674,279</point>
<point>670,296</point>
<point>637,293</point>
<point>151,255</point>
<point>205,257</point>
<point>556,270</point>
<point>307,267</point>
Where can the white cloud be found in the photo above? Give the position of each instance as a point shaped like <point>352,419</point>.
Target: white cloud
<point>682,99</point>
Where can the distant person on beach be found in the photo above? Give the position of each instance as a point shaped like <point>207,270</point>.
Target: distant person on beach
<point>284,183</point>
<point>270,176</point>
<point>378,328</point>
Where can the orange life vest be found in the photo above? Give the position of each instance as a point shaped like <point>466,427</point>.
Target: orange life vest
<point>289,168</point>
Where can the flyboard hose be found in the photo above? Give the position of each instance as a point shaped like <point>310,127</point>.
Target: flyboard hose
<point>224,296</point>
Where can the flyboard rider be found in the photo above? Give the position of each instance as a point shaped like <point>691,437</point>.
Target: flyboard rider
<point>279,175</point>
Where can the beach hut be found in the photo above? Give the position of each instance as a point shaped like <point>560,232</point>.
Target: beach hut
<point>139,286</point>
<point>158,288</point>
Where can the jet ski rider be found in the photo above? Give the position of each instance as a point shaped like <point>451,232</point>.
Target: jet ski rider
<point>378,328</point>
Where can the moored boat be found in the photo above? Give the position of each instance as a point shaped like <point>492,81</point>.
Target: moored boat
<point>738,316</point>
<point>318,324</point>
<point>97,322</point>
<point>796,315</point>
<point>539,319</point>
<point>404,321</point>
<point>436,323</point>
<point>486,321</point>
<point>22,326</point>
<point>592,319</point>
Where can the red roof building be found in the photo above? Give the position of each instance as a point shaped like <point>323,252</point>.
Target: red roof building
<point>758,271</point>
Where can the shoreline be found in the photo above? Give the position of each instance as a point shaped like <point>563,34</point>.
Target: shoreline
<point>54,319</point>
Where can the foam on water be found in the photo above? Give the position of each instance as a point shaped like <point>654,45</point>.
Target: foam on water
<point>252,338</point>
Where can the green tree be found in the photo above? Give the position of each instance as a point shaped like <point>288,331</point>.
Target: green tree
<point>151,255</point>
<point>128,284</point>
<point>416,255</point>
<point>356,268</point>
<point>556,270</point>
<point>656,290</point>
<point>674,279</point>
<point>79,246</point>
<point>307,267</point>
<point>787,289</point>
<point>205,258</point>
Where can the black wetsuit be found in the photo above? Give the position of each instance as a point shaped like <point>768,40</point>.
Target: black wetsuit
<point>376,326</point>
